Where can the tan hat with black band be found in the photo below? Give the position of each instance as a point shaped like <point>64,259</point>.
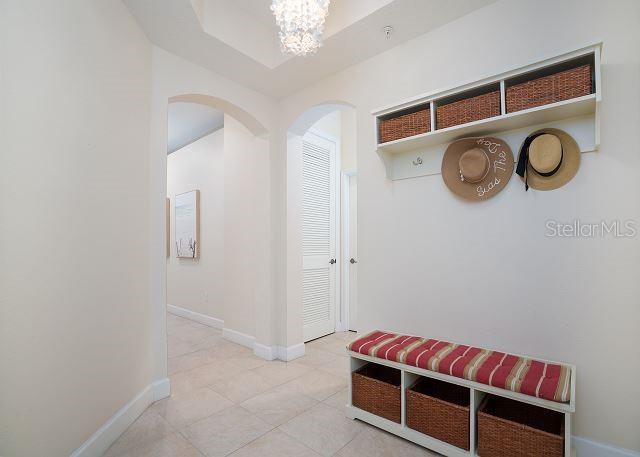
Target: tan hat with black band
<point>549,158</point>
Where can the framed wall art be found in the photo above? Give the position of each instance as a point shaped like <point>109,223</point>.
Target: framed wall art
<point>187,224</point>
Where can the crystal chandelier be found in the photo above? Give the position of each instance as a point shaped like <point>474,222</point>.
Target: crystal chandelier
<point>301,24</point>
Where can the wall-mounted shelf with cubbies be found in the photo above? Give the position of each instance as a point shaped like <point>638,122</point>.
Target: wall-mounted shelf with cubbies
<point>562,92</point>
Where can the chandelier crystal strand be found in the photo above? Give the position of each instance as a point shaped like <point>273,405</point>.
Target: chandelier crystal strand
<point>301,24</point>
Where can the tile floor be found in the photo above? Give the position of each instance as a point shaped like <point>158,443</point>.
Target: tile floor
<point>225,401</point>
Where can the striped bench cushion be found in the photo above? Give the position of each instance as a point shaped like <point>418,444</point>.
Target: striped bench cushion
<point>550,381</point>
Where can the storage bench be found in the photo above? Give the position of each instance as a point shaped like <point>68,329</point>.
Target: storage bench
<point>442,386</point>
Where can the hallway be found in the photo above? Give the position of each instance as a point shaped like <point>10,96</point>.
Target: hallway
<point>226,401</point>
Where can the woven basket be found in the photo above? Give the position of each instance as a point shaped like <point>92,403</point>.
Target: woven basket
<point>439,409</point>
<point>468,110</point>
<point>376,388</point>
<point>405,125</point>
<point>563,85</point>
<point>508,428</point>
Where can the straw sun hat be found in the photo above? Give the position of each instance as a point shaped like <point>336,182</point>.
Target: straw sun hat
<point>477,168</point>
<point>549,158</point>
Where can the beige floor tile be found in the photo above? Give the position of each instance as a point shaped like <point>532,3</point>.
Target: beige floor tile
<point>317,384</point>
<point>173,445</point>
<point>225,349</point>
<point>338,400</point>
<point>149,427</point>
<point>278,405</point>
<point>277,372</point>
<point>206,375</point>
<point>225,432</point>
<point>335,342</point>
<point>242,386</point>
<point>247,362</point>
<point>184,409</point>
<point>275,444</point>
<point>314,357</point>
<point>189,361</point>
<point>172,317</point>
<point>337,346</point>
<point>323,428</point>
<point>219,346</point>
<point>182,382</point>
<point>195,335</point>
<point>373,442</point>
<point>175,323</point>
<point>203,375</point>
<point>346,336</point>
<point>177,347</point>
<point>339,366</point>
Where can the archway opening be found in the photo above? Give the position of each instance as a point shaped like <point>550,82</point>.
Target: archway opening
<point>216,219</point>
<point>322,222</point>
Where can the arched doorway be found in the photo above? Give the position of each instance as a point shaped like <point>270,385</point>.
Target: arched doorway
<point>228,167</point>
<point>322,221</point>
<point>241,115</point>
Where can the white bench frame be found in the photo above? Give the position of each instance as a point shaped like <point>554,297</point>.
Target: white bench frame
<point>477,392</point>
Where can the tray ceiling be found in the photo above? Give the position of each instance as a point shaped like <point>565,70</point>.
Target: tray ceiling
<point>238,38</point>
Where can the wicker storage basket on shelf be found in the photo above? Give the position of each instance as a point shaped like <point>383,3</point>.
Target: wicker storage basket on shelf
<point>405,125</point>
<point>468,110</point>
<point>507,428</point>
<point>376,389</point>
<point>563,85</point>
<point>440,410</point>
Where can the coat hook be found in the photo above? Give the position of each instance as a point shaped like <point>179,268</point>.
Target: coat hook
<point>418,161</point>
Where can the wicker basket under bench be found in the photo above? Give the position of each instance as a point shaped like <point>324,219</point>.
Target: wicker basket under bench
<point>403,400</point>
<point>507,428</point>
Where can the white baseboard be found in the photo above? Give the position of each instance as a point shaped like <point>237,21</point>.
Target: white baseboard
<point>194,316</point>
<point>587,448</point>
<point>106,435</point>
<point>286,354</point>
<point>265,352</point>
<point>291,353</point>
<point>262,350</point>
<point>161,389</point>
<point>238,337</point>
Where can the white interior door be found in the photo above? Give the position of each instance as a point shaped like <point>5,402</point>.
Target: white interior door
<point>319,267</point>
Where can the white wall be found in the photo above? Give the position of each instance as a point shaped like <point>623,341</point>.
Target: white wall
<point>197,284</point>
<point>349,139</point>
<point>246,213</point>
<point>75,327</point>
<point>330,125</point>
<point>485,273</point>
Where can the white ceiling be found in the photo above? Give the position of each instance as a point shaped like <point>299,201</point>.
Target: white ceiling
<point>238,38</point>
<point>188,122</point>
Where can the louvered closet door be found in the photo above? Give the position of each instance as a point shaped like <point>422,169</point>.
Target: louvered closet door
<point>318,236</point>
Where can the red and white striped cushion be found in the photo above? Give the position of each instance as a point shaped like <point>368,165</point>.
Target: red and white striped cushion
<point>550,381</point>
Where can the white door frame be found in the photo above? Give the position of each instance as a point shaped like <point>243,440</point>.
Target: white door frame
<point>338,322</point>
<point>345,253</point>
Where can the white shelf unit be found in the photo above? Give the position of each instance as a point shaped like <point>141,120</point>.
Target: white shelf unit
<point>578,116</point>
<point>477,392</point>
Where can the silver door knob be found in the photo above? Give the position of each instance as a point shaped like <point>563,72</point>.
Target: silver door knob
<point>353,260</point>
<point>332,261</point>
